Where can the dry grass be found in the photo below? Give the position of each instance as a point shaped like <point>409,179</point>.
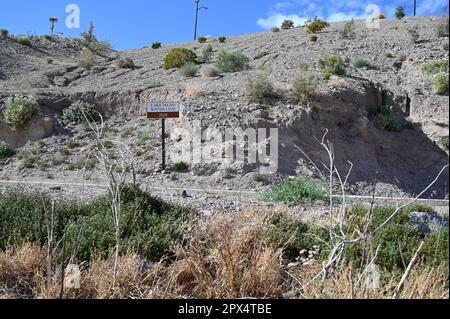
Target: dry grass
<point>20,268</point>
<point>225,258</point>
<point>423,283</point>
<point>222,256</point>
<point>210,72</point>
<point>193,90</point>
<point>337,81</point>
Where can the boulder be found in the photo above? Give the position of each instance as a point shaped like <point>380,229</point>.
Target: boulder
<point>428,222</point>
<point>39,127</point>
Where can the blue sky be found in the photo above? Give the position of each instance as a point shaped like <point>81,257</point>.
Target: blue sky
<point>136,23</point>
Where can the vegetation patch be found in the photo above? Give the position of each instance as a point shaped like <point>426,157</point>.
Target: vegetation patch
<point>210,71</point>
<point>348,30</point>
<point>316,25</point>
<point>156,45</point>
<point>206,53</point>
<point>296,191</point>
<point>189,70</point>
<point>149,225</point>
<point>180,167</point>
<point>24,40</point>
<point>435,67</point>
<point>440,83</point>
<point>19,110</point>
<point>178,57</point>
<point>5,150</point>
<point>332,64</point>
<point>287,24</point>
<point>125,63</point>
<point>400,12</point>
<point>360,63</point>
<point>413,34</point>
<point>442,29</point>
<point>385,118</point>
<point>78,111</point>
<point>232,61</point>
<point>304,86</point>
<point>259,88</point>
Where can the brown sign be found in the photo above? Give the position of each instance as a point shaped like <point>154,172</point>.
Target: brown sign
<point>163,110</point>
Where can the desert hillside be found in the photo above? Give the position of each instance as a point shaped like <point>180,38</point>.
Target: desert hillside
<point>403,162</point>
<point>352,203</point>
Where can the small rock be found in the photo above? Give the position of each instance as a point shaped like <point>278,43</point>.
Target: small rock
<point>427,222</point>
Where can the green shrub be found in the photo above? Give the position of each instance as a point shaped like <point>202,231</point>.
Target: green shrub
<point>178,57</point>
<point>202,39</point>
<point>156,45</point>
<point>400,12</point>
<point>87,60</point>
<point>360,63</point>
<point>379,16</point>
<point>398,240</point>
<point>189,70</point>
<point>232,61</point>
<point>348,30</point>
<point>258,88</point>
<point>296,191</point>
<point>4,33</point>
<point>332,64</point>
<point>402,57</point>
<point>304,87</point>
<point>179,167</point>
<point>275,29</point>
<point>206,53</point>
<point>5,150</point>
<point>316,25</point>
<point>154,85</point>
<point>386,119</point>
<point>125,63</point>
<point>389,54</point>
<point>313,38</point>
<point>148,225</point>
<point>435,67</point>
<point>210,71</point>
<point>49,61</point>
<point>445,143</point>
<point>222,39</point>
<point>413,34</point>
<point>289,233</point>
<point>24,40</point>
<point>440,83</point>
<point>287,24</point>
<point>19,110</point>
<point>442,29</point>
<point>90,41</point>
<point>76,112</point>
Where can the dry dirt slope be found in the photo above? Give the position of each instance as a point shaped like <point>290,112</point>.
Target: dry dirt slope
<point>406,159</point>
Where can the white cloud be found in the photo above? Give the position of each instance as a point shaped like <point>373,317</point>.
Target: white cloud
<point>276,19</point>
<point>300,11</point>
<point>343,16</point>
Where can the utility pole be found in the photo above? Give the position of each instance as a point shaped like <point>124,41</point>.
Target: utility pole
<point>415,6</point>
<point>53,21</point>
<point>197,9</point>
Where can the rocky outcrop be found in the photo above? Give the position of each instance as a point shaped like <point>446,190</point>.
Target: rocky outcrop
<point>38,127</point>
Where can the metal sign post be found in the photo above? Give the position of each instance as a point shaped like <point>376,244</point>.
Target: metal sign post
<point>163,111</point>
